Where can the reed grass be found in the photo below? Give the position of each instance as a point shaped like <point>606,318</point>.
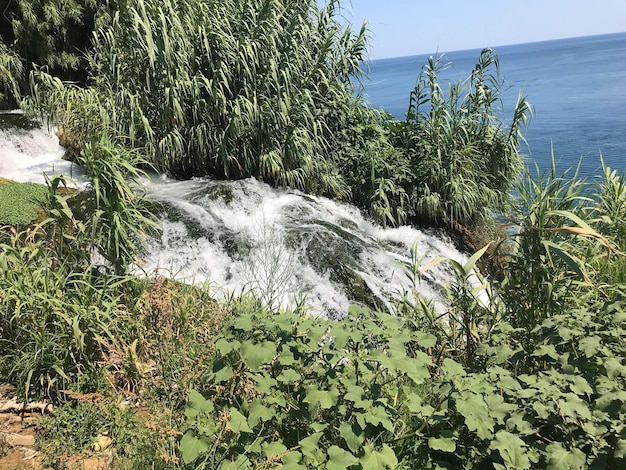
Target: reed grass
<point>230,89</point>
<point>464,158</point>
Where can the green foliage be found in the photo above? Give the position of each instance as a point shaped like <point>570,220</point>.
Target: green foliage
<point>19,202</point>
<point>117,216</point>
<point>376,172</point>
<point>611,206</point>
<point>55,323</point>
<point>463,158</point>
<point>81,423</point>
<point>11,70</point>
<point>50,33</point>
<point>205,90</point>
<point>306,392</point>
<point>72,428</point>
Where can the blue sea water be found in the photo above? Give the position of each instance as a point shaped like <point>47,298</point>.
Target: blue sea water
<point>577,88</point>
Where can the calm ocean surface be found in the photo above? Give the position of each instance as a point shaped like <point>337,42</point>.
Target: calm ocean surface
<point>576,86</point>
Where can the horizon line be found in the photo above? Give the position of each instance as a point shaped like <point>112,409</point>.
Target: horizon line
<point>495,47</point>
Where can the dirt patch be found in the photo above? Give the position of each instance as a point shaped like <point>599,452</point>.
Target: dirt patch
<point>17,443</point>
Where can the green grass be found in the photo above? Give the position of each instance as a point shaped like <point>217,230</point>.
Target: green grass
<point>19,202</point>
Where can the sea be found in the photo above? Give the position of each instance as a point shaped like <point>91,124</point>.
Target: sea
<point>577,88</point>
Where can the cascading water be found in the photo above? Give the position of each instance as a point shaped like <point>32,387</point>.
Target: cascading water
<point>28,150</point>
<point>286,246</point>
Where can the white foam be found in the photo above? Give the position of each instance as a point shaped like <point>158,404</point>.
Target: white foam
<point>27,154</point>
<point>263,221</point>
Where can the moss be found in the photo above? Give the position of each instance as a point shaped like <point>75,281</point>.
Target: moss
<point>20,203</point>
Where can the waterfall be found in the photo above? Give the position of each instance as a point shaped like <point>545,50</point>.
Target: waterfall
<point>236,236</point>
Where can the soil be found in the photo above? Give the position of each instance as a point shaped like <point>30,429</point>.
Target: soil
<point>17,442</point>
<point>18,449</point>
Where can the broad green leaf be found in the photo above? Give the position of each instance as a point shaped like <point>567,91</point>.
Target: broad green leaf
<point>259,412</point>
<point>286,358</point>
<point>452,369</point>
<point>353,440</point>
<point>580,386</point>
<point>543,411</point>
<point>498,408</point>
<point>560,459</point>
<point>425,340</point>
<point>341,336</point>
<point>197,404</point>
<point>512,450</point>
<point>274,449</point>
<point>445,444</point>
<point>416,368</point>
<point>614,367</point>
<point>574,407</point>
<point>325,398</point>
<point>546,350</point>
<point>256,355</point>
<point>224,346</point>
<point>244,322</point>
<point>476,414</point>
<point>519,422</point>
<point>238,422</point>
<point>289,376</point>
<point>191,447</point>
<point>223,375</point>
<point>241,463</point>
<point>339,459</point>
<point>413,402</point>
<point>590,345</point>
<point>264,383</point>
<point>378,416</point>
<point>355,394</point>
<point>318,427</point>
<point>291,461</point>
<point>378,460</point>
<point>311,450</point>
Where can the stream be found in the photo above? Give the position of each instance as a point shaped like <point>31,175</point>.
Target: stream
<point>287,247</point>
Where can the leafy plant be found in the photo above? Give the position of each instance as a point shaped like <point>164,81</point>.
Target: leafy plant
<point>50,33</point>
<point>463,159</point>
<point>11,70</point>
<point>207,91</point>
<point>307,392</point>
<point>20,202</point>
<point>117,220</point>
<point>54,321</point>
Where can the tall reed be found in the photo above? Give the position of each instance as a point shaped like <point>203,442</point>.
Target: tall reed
<point>225,88</point>
<point>464,158</point>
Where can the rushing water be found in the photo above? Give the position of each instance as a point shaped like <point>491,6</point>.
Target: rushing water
<point>244,235</point>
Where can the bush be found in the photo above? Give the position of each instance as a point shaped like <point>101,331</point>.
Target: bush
<point>53,33</point>
<point>21,203</point>
<point>464,160</point>
<point>229,89</point>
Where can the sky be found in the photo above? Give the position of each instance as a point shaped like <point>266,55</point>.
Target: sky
<point>409,27</point>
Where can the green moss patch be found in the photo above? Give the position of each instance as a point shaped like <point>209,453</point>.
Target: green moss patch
<point>19,202</point>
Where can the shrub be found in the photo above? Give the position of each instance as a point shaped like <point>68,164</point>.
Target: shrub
<point>50,33</point>
<point>307,392</point>
<point>229,89</point>
<point>463,158</point>
<point>20,202</point>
